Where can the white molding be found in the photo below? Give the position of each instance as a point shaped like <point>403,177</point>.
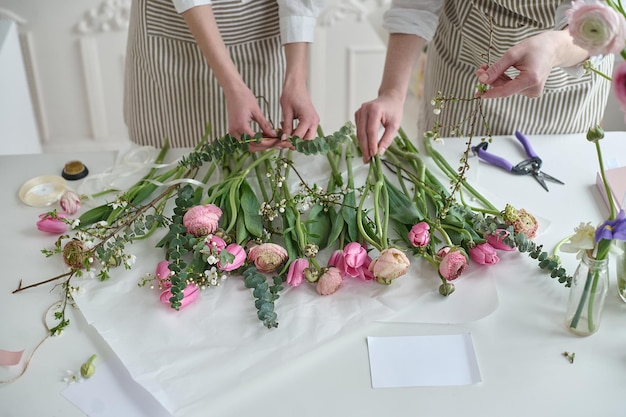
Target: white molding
<point>96,106</point>
<point>34,82</point>
<point>110,15</point>
<point>353,56</point>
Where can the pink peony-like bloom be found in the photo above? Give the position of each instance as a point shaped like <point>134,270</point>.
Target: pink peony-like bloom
<point>484,254</point>
<point>295,274</point>
<point>497,240</point>
<point>596,27</point>
<point>391,264</point>
<point>163,274</point>
<point>240,257</point>
<point>329,282</point>
<point>525,223</point>
<point>267,257</point>
<point>70,202</point>
<point>49,224</point>
<point>190,295</point>
<point>419,235</point>
<point>619,85</point>
<point>453,263</point>
<point>202,220</point>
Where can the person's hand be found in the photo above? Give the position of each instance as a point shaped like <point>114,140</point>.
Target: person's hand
<point>533,57</point>
<point>243,109</point>
<point>296,105</point>
<point>386,111</point>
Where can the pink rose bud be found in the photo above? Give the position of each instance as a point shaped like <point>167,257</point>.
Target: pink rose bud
<point>484,254</point>
<point>295,274</point>
<point>163,274</point>
<point>70,202</point>
<point>240,257</point>
<point>497,240</point>
<point>329,282</point>
<point>453,263</point>
<point>202,220</point>
<point>50,224</point>
<point>267,257</point>
<point>419,235</point>
<point>190,294</point>
<point>391,264</point>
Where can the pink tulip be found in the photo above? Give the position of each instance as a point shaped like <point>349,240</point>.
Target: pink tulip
<point>190,294</point>
<point>329,282</point>
<point>268,257</point>
<point>295,274</point>
<point>215,244</point>
<point>497,240</point>
<point>50,224</point>
<point>596,27</point>
<point>453,263</point>
<point>354,256</point>
<point>240,257</point>
<point>336,259</point>
<point>70,202</point>
<point>419,235</point>
<point>163,274</point>
<point>391,264</point>
<point>202,220</point>
<point>484,254</point>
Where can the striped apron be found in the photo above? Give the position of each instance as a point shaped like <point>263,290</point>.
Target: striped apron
<point>461,44</point>
<point>170,91</point>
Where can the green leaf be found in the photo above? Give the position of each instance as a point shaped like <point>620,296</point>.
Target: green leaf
<point>401,208</point>
<point>318,226</point>
<point>250,207</point>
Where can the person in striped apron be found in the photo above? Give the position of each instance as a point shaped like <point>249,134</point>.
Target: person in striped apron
<point>199,66</point>
<point>521,49</point>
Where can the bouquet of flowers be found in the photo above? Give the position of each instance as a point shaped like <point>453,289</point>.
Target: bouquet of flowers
<point>224,211</point>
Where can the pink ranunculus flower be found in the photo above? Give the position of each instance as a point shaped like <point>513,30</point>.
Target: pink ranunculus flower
<point>525,223</point>
<point>391,264</point>
<point>484,254</point>
<point>268,257</point>
<point>163,274</point>
<point>453,263</point>
<point>354,256</point>
<point>49,224</point>
<point>497,240</point>
<point>419,235</point>
<point>190,294</point>
<point>619,85</point>
<point>596,27</point>
<point>70,202</point>
<point>202,220</point>
<point>240,257</point>
<point>295,274</point>
<point>329,282</point>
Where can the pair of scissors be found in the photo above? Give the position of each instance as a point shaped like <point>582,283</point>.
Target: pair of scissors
<point>529,166</point>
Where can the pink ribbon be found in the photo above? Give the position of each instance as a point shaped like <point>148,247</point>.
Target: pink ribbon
<point>8,358</point>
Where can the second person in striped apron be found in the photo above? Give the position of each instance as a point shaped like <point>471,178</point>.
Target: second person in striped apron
<point>547,92</point>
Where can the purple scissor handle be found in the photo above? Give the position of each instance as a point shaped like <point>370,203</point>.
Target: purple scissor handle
<point>529,166</point>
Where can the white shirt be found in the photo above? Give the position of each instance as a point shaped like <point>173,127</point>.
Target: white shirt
<point>297,17</point>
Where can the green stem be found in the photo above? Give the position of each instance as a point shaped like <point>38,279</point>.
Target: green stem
<point>607,189</point>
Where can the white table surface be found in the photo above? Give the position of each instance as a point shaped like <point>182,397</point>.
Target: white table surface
<point>519,346</point>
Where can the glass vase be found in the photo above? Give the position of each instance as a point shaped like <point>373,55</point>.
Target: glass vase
<point>620,269</point>
<point>590,283</point>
